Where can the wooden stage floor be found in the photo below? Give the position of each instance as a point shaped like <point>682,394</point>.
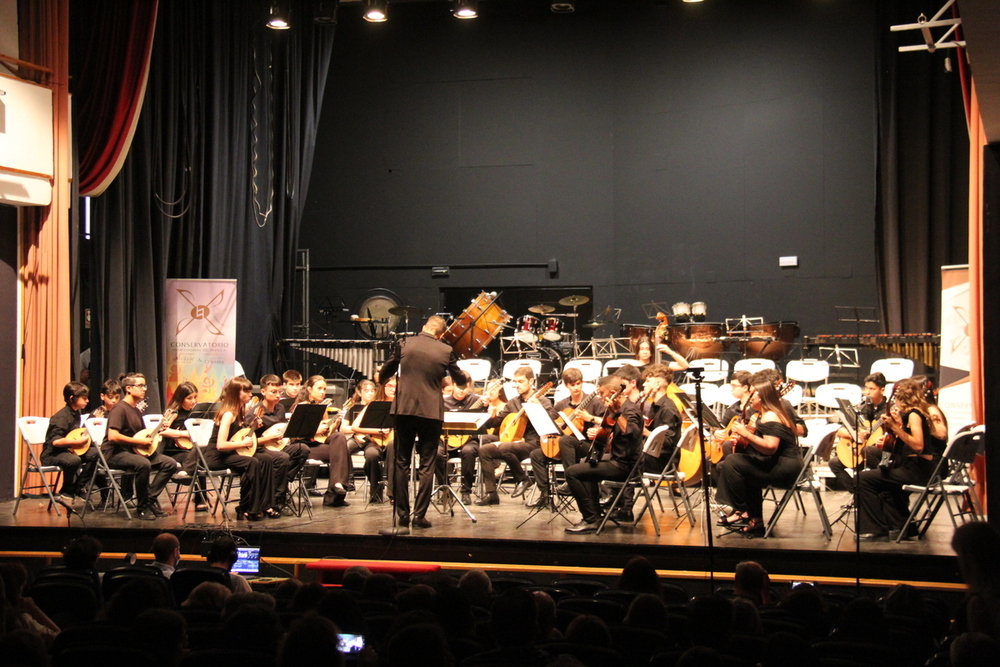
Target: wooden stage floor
<point>797,548</point>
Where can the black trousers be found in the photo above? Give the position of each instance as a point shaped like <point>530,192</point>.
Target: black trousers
<point>742,480</point>
<point>75,468</point>
<point>584,481</point>
<point>259,477</point>
<point>467,454</point>
<point>882,504</point>
<point>512,453</point>
<point>159,467</point>
<point>424,433</point>
<point>571,450</point>
<point>872,456</point>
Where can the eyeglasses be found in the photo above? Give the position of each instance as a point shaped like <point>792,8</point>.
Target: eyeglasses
<point>140,386</point>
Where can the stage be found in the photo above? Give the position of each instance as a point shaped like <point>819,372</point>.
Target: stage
<point>796,551</point>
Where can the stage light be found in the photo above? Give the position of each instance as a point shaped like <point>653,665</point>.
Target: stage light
<point>278,18</point>
<point>562,7</point>
<point>326,12</point>
<point>375,10</point>
<point>465,9</point>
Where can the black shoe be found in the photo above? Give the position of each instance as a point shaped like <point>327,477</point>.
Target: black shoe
<point>339,501</point>
<point>272,513</point>
<point>421,522</point>
<point>540,501</point>
<point>349,487</point>
<point>316,493</point>
<point>912,531</point>
<point>563,490</point>
<point>490,498</point>
<point>583,527</point>
<point>622,516</point>
<point>521,487</point>
<point>146,514</point>
<point>466,498</point>
<point>403,522</point>
<point>154,507</point>
<point>873,537</point>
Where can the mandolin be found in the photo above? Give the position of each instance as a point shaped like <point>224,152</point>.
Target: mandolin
<point>513,426</point>
<point>605,433</point>
<point>253,412</point>
<point>154,434</point>
<point>79,434</point>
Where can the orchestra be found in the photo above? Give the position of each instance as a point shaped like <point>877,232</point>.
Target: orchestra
<point>600,424</point>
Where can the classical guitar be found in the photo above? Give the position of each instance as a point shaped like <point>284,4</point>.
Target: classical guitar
<point>740,443</point>
<point>456,441</point>
<point>513,426</point>
<point>605,432</point>
<point>154,434</point>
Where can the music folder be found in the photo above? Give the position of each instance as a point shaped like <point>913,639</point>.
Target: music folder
<point>708,416</point>
<point>377,415</point>
<point>305,421</point>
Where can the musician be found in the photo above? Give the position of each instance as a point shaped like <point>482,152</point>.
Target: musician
<point>883,506</point>
<point>633,380</point>
<point>774,377</point>
<point>56,450</point>
<point>870,410</point>
<point>460,399</point>
<point>325,446</point>
<point>660,409</point>
<point>678,363</point>
<point>260,478</point>
<point>111,393</point>
<point>584,478</point>
<point>771,457</point>
<point>182,402</point>
<point>293,455</point>
<point>492,451</point>
<point>364,393</point>
<point>291,385</point>
<point>739,386</point>
<point>643,353</point>
<point>422,361</point>
<point>124,423</point>
<point>378,443</point>
<point>586,408</point>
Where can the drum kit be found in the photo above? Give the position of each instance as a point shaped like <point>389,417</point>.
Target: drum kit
<point>544,324</point>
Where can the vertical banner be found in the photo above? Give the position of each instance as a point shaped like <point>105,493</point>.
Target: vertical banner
<point>200,335</point>
<point>955,397</point>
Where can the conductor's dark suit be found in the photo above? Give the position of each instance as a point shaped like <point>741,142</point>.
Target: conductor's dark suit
<point>423,361</point>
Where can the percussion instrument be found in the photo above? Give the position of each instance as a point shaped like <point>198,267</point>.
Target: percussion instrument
<point>477,326</point>
<point>527,329</point>
<point>697,340</point>
<point>698,311</point>
<point>541,309</point>
<point>681,312</point>
<point>552,329</point>
<point>574,300</point>
<point>782,333</point>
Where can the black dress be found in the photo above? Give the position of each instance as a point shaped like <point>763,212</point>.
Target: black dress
<point>258,479</point>
<point>743,476</point>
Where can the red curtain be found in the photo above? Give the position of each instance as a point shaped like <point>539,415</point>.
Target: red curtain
<point>109,89</point>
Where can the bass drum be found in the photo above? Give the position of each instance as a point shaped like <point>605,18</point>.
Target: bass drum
<point>476,327</point>
<point>698,340</point>
<point>783,334</point>
<point>552,365</point>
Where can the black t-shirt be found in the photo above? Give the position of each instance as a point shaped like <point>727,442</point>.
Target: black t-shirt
<point>127,420</point>
<point>60,424</point>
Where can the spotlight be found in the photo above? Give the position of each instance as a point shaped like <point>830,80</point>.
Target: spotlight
<point>563,7</point>
<point>326,12</point>
<point>278,18</point>
<point>375,10</point>
<point>465,9</point>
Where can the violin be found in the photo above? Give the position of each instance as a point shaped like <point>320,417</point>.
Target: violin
<point>605,433</point>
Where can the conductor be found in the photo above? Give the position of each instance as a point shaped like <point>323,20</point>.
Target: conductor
<point>422,361</point>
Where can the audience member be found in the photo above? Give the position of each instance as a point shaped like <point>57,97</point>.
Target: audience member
<point>166,553</point>
<point>415,598</point>
<point>307,597</point>
<point>222,555</point>
<point>312,640</point>
<point>24,613</point>
<point>588,629</point>
<point>285,591</point>
<point>254,628</point>
<point>746,618</point>
<point>134,597</point>
<point>419,645</point>
<point>237,600</point>
<point>477,586</point>
<point>354,577</point>
<point>710,621</point>
<point>974,649</point>
<point>547,630</point>
<point>381,587</point>
<point>806,606</point>
<point>752,583</point>
<point>647,611</point>
<point>163,633</point>
<point>208,595</point>
<point>343,611</point>
<point>976,544</point>
<point>640,576</point>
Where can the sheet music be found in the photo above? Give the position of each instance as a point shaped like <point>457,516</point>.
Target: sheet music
<point>572,427</point>
<point>464,421</point>
<point>540,419</point>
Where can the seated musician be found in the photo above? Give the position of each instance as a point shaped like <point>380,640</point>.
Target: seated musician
<point>291,385</point>
<point>920,441</point>
<point>377,443</point>
<point>585,411</point>
<point>111,393</point>
<point>364,393</point>
<point>739,386</point>
<point>466,447</point>
<point>494,449</point>
<point>771,457</point>
<point>643,353</point>
<point>774,377</point>
<point>182,402</point>
<point>57,450</point>
<point>150,474</point>
<point>625,435</point>
<point>260,478</point>
<point>291,456</point>
<point>324,445</point>
<point>870,410</point>
<point>677,362</point>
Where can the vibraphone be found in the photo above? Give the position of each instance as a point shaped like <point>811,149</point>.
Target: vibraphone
<point>358,355</point>
<point>923,347</point>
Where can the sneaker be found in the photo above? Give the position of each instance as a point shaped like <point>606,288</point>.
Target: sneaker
<point>466,498</point>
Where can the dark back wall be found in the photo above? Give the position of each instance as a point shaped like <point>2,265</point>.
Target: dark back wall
<point>665,152</point>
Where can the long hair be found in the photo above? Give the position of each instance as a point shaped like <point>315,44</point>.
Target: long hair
<point>380,394</point>
<point>357,390</point>
<point>771,402</point>
<point>230,399</point>
<point>911,394</point>
<point>184,389</point>
<point>303,396</point>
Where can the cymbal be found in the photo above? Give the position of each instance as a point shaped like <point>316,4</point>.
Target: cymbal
<point>593,325</point>
<point>541,309</point>
<point>574,300</point>
<point>403,311</point>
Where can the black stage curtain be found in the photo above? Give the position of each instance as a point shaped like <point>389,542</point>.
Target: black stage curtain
<point>922,221</point>
<point>215,182</point>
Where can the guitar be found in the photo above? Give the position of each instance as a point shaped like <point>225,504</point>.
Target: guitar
<point>253,412</point>
<point>79,434</point>
<point>154,434</point>
<point>568,415</point>
<point>605,433</point>
<point>456,441</point>
<point>513,426</point>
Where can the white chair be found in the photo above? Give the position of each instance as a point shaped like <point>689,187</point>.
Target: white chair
<point>805,482</point>
<point>33,431</point>
<point>562,392</point>
<point>514,364</point>
<point>724,396</point>
<point>111,478</point>
<point>634,480</point>
<point>753,365</point>
<point>894,370</point>
<point>709,393</point>
<point>612,365</point>
<point>806,372</point>
<point>200,432</point>
<point>670,478</point>
<point>590,368</point>
<point>152,421</point>
<point>713,370</point>
<point>478,369</point>
<point>827,394</point>
<point>794,396</point>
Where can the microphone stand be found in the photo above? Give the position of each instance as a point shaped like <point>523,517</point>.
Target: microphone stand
<point>696,374</point>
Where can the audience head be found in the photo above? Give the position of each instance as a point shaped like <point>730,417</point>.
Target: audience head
<point>640,576</point>
<point>477,586</point>
<point>588,629</point>
<point>381,586</point>
<point>746,618</point>
<point>254,628</point>
<point>647,611</point>
<point>354,577</point>
<point>976,544</point>
<point>752,583</point>
<point>208,595</point>
<point>806,605</point>
<point>237,600</point>
<point>167,548</point>
<point>308,597</point>
<point>416,597</point>
<point>974,649</point>
<point>341,607</point>
<point>222,552</point>
<point>312,640</point>
<point>82,554</point>
<point>546,607</point>
<point>514,618</point>
<point>134,597</point>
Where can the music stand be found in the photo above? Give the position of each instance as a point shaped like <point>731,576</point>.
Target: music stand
<point>707,415</point>
<point>377,416</point>
<point>544,426</point>
<point>204,411</point>
<point>305,422</point>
